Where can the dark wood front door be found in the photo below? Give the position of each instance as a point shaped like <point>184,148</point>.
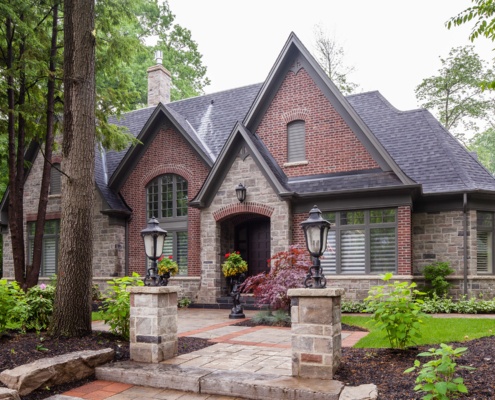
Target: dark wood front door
<point>253,241</point>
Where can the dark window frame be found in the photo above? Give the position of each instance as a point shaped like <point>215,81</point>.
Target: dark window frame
<point>480,227</point>
<point>175,224</point>
<point>55,180</point>
<point>158,212</point>
<point>337,226</point>
<point>296,131</point>
<point>46,236</point>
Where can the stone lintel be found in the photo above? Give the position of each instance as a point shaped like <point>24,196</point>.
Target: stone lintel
<point>307,292</point>
<point>153,289</point>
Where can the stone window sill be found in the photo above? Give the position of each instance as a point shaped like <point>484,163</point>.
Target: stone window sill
<point>296,163</point>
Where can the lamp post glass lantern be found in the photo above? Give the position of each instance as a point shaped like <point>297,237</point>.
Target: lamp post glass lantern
<point>153,237</point>
<point>240,192</point>
<point>315,233</point>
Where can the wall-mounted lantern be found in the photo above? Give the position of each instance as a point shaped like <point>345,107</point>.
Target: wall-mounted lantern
<point>240,192</point>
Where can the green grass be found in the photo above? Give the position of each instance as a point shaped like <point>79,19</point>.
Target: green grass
<point>433,331</point>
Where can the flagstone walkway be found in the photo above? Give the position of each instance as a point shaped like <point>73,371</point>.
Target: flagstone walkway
<point>258,349</point>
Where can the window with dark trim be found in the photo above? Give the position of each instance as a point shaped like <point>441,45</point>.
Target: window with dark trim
<point>167,201</point>
<point>167,197</point>
<point>361,242</point>
<point>49,251</point>
<point>296,141</point>
<point>485,242</point>
<point>55,179</point>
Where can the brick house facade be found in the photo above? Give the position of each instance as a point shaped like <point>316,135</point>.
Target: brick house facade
<point>399,190</point>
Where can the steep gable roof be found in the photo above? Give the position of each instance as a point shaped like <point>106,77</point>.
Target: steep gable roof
<point>295,56</point>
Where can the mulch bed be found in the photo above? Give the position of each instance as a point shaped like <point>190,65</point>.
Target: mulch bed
<point>383,367</point>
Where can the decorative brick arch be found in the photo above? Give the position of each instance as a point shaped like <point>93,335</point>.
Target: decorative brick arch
<point>295,114</point>
<point>165,169</point>
<point>244,208</point>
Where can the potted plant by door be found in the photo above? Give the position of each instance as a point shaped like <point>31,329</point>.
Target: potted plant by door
<point>234,269</point>
<point>167,267</point>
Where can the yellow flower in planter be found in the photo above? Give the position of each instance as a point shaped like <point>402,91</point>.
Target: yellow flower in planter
<point>167,264</point>
<point>234,264</point>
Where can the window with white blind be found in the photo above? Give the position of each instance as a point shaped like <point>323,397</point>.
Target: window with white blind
<point>176,246</point>
<point>55,179</point>
<point>49,251</point>
<point>167,201</point>
<point>484,240</point>
<point>296,141</point>
<point>361,242</point>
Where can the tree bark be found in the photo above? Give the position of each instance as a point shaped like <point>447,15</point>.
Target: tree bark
<point>16,156</point>
<point>33,270</point>
<point>72,311</point>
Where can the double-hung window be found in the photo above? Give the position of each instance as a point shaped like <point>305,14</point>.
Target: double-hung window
<point>167,201</point>
<point>484,240</point>
<point>361,242</point>
<point>49,251</point>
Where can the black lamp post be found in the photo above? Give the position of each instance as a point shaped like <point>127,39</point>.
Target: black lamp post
<point>315,233</point>
<point>240,192</point>
<point>153,237</point>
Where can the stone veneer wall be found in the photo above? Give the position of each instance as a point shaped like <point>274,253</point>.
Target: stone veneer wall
<point>439,237</point>
<point>109,240</point>
<point>261,197</point>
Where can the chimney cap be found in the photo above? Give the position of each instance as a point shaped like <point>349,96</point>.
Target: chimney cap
<point>158,56</point>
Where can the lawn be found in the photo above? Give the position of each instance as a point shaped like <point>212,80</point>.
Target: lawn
<point>433,331</point>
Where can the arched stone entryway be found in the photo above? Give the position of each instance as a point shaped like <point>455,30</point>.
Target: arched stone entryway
<point>250,234</point>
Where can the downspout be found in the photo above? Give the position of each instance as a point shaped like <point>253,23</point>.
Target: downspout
<point>465,221</point>
<point>126,244</point>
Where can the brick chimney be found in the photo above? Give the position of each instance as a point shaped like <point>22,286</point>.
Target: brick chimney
<point>159,81</point>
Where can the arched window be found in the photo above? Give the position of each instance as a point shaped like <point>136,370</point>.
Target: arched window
<point>167,201</point>
<point>167,197</point>
<point>296,141</point>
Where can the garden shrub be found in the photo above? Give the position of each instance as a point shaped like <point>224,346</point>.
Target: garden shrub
<point>39,302</point>
<point>348,306</point>
<point>435,278</point>
<point>10,296</point>
<point>117,306</point>
<point>287,270</point>
<point>396,310</point>
<point>437,376</point>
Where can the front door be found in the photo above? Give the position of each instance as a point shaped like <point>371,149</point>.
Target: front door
<point>253,241</point>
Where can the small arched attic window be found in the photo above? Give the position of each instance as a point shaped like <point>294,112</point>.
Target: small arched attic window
<point>296,141</point>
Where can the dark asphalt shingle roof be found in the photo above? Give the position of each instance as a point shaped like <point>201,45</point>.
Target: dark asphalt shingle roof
<point>339,182</point>
<point>420,146</point>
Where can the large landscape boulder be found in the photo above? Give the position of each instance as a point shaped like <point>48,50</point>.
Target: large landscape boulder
<point>55,370</point>
<point>8,394</point>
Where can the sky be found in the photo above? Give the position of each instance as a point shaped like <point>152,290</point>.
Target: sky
<point>392,44</point>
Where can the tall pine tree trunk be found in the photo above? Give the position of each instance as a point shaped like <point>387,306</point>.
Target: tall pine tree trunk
<point>72,312</point>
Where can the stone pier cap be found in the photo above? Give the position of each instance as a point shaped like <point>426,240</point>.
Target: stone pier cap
<point>153,289</point>
<point>309,292</point>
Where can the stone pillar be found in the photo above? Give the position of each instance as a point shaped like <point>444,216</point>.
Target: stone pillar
<point>316,332</point>
<point>153,323</point>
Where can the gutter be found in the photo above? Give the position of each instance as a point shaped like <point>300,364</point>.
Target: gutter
<point>465,221</point>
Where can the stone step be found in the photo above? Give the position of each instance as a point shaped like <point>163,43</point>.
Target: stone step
<point>231,383</point>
